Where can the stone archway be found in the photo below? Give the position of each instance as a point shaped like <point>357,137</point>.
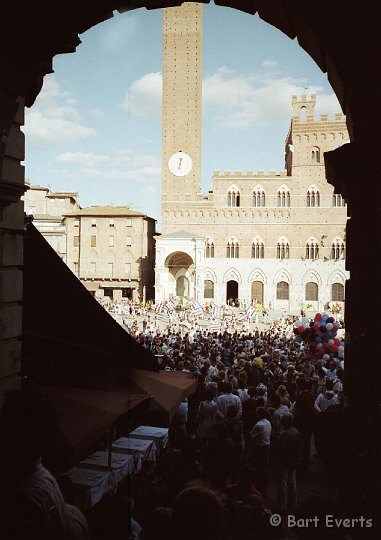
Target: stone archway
<point>232,292</point>
<point>33,34</point>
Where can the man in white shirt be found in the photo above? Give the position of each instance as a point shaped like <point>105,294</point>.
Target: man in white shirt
<point>260,445</point>
<point>226,399</point>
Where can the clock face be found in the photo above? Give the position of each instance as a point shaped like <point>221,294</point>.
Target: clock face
<point>180,164</point>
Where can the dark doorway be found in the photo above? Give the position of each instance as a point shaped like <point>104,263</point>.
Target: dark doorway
<point>127,293</point>
<point>232,292</point>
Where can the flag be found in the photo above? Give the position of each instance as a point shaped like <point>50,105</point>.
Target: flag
<point>171,304</point>
<point>197,309</point>
<point>214,328</point>
<point>159,307</point>
<point>250,310</point>
<point>242,316</point>
<point>217,312</point>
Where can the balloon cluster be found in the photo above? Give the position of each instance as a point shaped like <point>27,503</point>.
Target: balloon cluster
<point>321,334</point>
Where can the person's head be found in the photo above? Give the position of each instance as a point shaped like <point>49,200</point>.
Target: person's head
<point>198,513</point>
<point>321,372</point>
<point>228,388</point>
<point>260,402</point>
<point>252,391</point>
<point>159,524</point>
<point>281,390</point>
<point>329,384</point>
<point>340,373</point>
<point>209,394</point>
<point>261,413</point>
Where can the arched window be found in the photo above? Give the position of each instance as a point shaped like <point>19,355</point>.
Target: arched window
<point>259,197</point>
<point>257,249</point>
<point>234,197</point>
<point>337,200</point>
<point>312,249</point>
<point>312,291</point>
<point>208,289</point>
<point>284,198</point>
<point>282,290</point>
<point>232,249</point>
<point>313,197</point>
<point>209,249</point>
<point>283,250</point>
<point>337,249</point>
<point>337,292</point>
<point>315,155</point>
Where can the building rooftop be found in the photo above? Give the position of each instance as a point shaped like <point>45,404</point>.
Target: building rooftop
<point>106,211</point>
<point>181,235</point>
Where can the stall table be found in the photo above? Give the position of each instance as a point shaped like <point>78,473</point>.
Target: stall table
<point>158,435</point>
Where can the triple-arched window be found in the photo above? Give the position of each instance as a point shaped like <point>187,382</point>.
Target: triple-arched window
<point>257,249</point>
<point>234,196</point>
<point>337,249</point>
<point>284,198</point>
<point>312,249</point>
<point>313,197</point>
<point>232,249</point>
<point>259,197</point>
<point>283,249</point>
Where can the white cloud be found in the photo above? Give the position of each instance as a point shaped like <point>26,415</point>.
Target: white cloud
<point>235,100</point>
<point>81,158</point>
<point>54,118</point>
<point>143,97</point>
<point>96,112</point>
<point>245,101</point>
<point>125,165</point>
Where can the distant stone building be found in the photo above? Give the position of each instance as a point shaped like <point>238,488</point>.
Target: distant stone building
<point>277,237</point>
<point>111,249</point>
<point>48,208</point>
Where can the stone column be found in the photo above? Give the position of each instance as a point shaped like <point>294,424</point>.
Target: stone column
<point>354,170</point>
<point>11,240</point>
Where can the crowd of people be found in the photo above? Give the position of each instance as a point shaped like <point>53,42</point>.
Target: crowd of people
<point>239,446</point>
<point>261,399</point>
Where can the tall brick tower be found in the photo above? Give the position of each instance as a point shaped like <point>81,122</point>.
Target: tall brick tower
<point>182,107</point>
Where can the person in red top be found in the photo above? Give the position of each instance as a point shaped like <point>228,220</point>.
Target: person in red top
<point>303,410</point>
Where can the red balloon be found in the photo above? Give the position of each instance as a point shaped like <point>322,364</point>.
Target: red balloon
<point>335,348</point>
<point>301,329</point>
<point>318,317</point>
<point>316,326</point>
<point>337,341</point>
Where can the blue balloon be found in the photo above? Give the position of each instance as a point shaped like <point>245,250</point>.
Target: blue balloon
<point>323,325</point>
<point>298,339</point>
<point>325,317</point>
<point>318,339</point>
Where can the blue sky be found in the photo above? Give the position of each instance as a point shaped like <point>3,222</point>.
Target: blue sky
<point>96,126</point>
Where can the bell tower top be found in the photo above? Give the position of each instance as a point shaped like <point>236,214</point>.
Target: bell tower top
<point>303,109</point>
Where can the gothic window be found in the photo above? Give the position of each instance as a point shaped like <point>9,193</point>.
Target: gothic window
<point>337,292</point>
<point>282,290</point>
<point>234,197</point>
<point>284,198</point>
<point>209,249</point>
<point>283,250</point>
<point>315,155</point>
<point>257,249</point>
<point>337,200</point>
<point>337,249</point>
<point>259,197</point>
<point>312,291</point>
<point>312,249</point>
<point>313,197</point>
<point>232,249</point>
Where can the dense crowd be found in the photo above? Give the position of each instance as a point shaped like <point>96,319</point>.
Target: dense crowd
<point>261,398</point>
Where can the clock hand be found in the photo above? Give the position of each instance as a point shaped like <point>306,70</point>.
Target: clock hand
<point>180,160</point>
